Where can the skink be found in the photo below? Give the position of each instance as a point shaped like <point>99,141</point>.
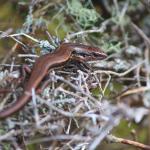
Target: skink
<point>62,54</point>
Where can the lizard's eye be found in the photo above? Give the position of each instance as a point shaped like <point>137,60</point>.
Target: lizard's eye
<point>95,54</point>
<point>84,54</point>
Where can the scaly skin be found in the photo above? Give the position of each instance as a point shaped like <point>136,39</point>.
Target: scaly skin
<point>62,54</point>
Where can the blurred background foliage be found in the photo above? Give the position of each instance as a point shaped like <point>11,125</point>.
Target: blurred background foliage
<point>63,17</point>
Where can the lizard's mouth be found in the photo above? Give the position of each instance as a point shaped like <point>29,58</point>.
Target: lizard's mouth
<point>99,55</point>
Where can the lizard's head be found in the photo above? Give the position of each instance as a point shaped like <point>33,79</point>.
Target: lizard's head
<point>88,53</point>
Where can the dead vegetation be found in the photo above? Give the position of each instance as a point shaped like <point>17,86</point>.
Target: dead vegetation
<point>73,108</point>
